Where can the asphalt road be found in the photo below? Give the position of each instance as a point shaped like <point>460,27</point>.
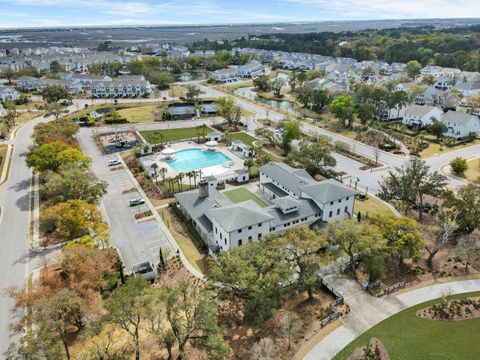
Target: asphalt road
<point>14,227</point>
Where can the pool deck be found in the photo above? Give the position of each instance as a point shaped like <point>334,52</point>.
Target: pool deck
<point>218,169</point>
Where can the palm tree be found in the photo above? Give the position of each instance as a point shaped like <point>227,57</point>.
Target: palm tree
<point>195,173</point>
<point>203,131</point>
<point>161,137</point>
<point>180,181</point>
<point>249,164</point>
<point>197,128</point>
<point>155,167</point>
<point>163,172</point>
<point>226,137</point>
<point>189,175</point>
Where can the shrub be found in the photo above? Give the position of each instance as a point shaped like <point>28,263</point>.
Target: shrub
<point>459,166</point>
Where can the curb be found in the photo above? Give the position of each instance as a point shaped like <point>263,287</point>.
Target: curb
<point>8,163</point>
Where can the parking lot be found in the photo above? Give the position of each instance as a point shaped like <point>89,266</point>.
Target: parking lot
<point>137,240</point>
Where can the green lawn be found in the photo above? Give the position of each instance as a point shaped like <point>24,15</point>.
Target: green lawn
<point>437,149</point>
<point>473,171</point>
<point>408,337</point>
<point>141,114</point>
<point>177,91</point>
<point>242,194</point>
<point>247,139</point>
<point>371,206</point>
<point>3,153</point>
<point>195,258</point>
<point>153,136</point>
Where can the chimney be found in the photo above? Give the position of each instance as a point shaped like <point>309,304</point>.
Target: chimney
<point>203,189</point>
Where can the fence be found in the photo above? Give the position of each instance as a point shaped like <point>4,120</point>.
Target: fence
<point>333,306</point>
<point>374,285</point>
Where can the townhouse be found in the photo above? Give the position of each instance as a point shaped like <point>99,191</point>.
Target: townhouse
<point>225,75</point>
<point>118,88</point>
<point>250,70</point>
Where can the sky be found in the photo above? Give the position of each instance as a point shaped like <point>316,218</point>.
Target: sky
<point>42,13</point>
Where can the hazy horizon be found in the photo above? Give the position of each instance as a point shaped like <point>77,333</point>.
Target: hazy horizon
<point>19,14</point>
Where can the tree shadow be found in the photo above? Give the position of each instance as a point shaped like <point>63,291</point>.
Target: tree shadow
<point>21,185</point>
<point>23,203</point>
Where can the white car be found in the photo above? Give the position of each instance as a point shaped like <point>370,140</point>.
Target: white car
<point>114,162</point>
<point>136,201</point>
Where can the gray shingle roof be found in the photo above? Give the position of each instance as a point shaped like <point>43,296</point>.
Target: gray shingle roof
<point>238,216</point>
<point>418,110</point>
<point>197,206</point>
<point>306,208</point>
<point>457,117</point>
<point>327,191</point>
<point>291,178</point>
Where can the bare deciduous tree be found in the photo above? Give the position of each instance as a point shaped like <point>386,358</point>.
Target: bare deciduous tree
<point>448,223</point>
<point>290,324</point>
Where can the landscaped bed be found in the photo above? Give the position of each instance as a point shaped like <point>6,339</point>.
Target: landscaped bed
<point>198,259</point>
<point>155,136</point>
<point>242,194</point>
<point>407,336</point>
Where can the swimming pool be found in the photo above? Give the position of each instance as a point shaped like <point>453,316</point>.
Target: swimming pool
<point>196,159</point>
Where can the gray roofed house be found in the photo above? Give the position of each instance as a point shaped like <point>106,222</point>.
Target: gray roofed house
<point>469,87</point>
<point>238,216</point>
<point>327,191</point>
<point>421,115</point>
<point>460,124</point>
<point>287,178</point>
<point>223,224</point>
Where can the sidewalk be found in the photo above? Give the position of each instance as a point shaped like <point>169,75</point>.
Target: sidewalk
<point>367,311</point>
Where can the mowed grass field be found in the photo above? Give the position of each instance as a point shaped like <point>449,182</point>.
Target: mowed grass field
<point>408,337</point>
<point>473,171</point>
<point>371,206</point>
<point>140,114</point>
<point>247,139</point>
<point>154,136</point>
<point>242,194</point>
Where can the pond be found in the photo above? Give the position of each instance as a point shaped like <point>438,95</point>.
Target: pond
<point>190,76</point>
<point>279,104</point>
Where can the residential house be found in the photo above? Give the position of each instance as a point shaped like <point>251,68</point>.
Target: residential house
<point>460,124</point>
<point>8,93</point>
<point>29,84</point>
<point>421,115</point>
<point>443,83</point>
<point>250,70</point>
<point>225,75</point>
<point>72,87</point>
<point>469,86</point>
<point>296,199</point>
<point>120,89</point>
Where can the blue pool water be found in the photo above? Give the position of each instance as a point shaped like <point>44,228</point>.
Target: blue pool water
<point>195,159</point>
